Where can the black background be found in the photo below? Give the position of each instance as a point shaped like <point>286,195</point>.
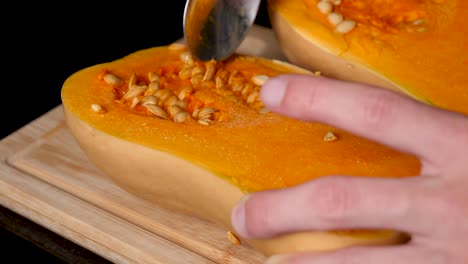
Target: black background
<point>44,43</point>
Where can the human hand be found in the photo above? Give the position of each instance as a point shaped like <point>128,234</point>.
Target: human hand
<point>432,208</point>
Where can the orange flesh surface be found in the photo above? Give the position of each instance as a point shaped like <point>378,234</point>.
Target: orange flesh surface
<point>254,151</point>
<point>418,44</point>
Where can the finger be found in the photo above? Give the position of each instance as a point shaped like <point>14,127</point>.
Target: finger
<point>334,203</point>
<point>378,114</point>
<point>366,255</point>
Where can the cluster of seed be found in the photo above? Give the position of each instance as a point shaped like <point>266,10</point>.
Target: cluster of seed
<point>345,25</point>
<point>232,85</point>
<point>162,102</point>
<point>182,105</point>
<point>341,24</point>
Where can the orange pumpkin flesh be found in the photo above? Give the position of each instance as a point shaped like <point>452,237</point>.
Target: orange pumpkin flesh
<point>204,169</point>
<point>417,47</point>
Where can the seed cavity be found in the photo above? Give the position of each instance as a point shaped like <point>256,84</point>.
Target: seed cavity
<point>186,92</point>
<point>385,16</point>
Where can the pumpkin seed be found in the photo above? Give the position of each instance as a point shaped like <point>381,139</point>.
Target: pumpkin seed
<point>132,81</point>
<point>335,18</point>
<point>153,77</point>
<point>135,102</point>
<point>134,91</point>
<point>206,112</point>
<point>324,7</point>
<point>186,73</point>
<point>345,26</point>
<point>197,79</point>
<point>112,79</point>
<point>330,136</point>
<point>173,110</point>
<point>152,88</point>
<point>186,91</point>
<point>150,99</point>
<point>181,117</point>
<point>205,122</point>
<point>187,58</point>
<point>210,71</point>
<point>158,111</point>
<point>97,108</point>
<point>260,79</point>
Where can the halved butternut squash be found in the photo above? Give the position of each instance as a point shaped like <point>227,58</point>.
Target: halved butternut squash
<point>194,136</point>
<point>416,47</point>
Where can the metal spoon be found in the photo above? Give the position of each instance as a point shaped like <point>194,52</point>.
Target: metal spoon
<point>214,29</point>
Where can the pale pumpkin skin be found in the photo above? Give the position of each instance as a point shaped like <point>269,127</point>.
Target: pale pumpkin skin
<point>429,66</point>
<point>193,190</point>
<point>173,164</point>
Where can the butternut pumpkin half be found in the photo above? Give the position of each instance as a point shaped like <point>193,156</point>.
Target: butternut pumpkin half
<point>194,136</point>
<point>417,47</point>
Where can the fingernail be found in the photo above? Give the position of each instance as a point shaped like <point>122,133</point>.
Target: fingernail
<point>238,217</point>
<point>276,259</point>
<point>273,91</point>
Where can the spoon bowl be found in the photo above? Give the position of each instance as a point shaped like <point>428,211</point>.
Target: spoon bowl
<point>214,29</point>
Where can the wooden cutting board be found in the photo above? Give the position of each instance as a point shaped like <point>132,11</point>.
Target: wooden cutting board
<point>45,177</point>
